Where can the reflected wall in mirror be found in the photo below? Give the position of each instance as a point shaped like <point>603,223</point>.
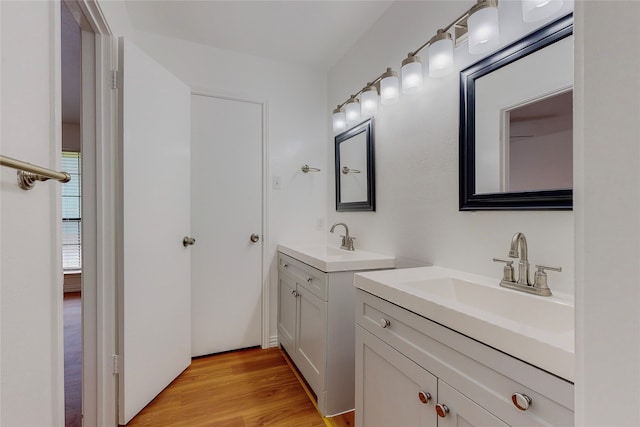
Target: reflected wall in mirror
<point>355,185</point>
<point>538,136</point>
<point>516,126</point>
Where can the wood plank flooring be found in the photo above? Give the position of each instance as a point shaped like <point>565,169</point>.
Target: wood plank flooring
<point>72,359</point>
<point>243,388</point>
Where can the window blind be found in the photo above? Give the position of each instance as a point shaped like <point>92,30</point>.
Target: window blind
<point>72,213</point>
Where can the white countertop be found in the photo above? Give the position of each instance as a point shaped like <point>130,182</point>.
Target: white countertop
<point>538,330</point>
<point>330,259</point>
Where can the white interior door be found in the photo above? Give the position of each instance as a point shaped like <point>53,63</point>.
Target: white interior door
<point>154,268</point>
<point>226,167</point>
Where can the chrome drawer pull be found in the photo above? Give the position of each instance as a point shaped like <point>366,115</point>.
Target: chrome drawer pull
<point>424,396</point>
<point>442,410</point>
<point>384,323</point>
<point>521,401</point>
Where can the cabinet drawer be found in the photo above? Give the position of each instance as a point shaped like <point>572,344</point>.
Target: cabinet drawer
<point>310,278</point>
<point>484,374</point>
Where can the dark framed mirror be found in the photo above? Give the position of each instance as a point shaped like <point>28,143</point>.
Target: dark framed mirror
<point>516,129</point>
<point>355,174</point>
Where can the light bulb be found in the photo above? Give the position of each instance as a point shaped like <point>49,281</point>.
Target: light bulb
<point>535,10</point>
<point>389,92</point>
<point>339,120</point>
<point>352,109</point>
<point>440,54</point>
<point>411,74</point>
<point>369,101</point>
<point>483,27</point>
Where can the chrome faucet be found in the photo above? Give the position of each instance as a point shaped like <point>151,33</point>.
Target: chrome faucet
<point>519,249</point>
<point>347,241</point>
<point>519,241</point>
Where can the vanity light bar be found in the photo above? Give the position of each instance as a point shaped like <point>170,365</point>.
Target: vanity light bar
<point>478,25</point>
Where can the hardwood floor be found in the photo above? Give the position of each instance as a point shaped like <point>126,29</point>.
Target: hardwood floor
<point>243,388</point>
<point>73,359</point>
<point>250,387</point>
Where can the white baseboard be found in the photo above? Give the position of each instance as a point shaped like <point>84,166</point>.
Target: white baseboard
<point>273,341</point>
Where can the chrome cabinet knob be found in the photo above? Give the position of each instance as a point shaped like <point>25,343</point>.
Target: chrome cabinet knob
<point>254,237</point>
<point>424,396</point>
<point>294,293</point>
<point>521,401</point>
<point>188,241</point>
<point>285,265</point>
<point>442,410</point>
<point>309,279</point>
<point>384,323</point>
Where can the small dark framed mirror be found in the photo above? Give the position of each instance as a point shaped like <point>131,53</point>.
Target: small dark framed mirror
<point>516,127</point>
<point>355,175</point>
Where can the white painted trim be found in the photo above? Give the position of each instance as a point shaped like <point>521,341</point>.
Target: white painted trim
<point>106,179</point>
<point>273,341</point>
<point>266,235</point>
<point>266,282</point>
<point>99,336</point>
<point>57,324</point>
<point>90,333</point>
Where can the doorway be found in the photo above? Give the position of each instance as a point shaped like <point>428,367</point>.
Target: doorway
<point>93,100</point>
<point>71,96</point>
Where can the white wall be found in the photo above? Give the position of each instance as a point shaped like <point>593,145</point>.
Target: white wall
<point>71,137</point>
<point>416,149</point>
<point>607,206</point>
<point>296,132</point>
<point>31,362</point>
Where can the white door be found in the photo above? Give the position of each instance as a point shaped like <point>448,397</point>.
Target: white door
<point>226,171</point>
<point>154,271</point>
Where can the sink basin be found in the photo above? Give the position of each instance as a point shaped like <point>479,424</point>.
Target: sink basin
<point>538,330</point>
<point>330,259</point>
<point>534,312</point>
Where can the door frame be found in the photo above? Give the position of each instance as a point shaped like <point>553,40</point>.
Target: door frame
<point>265,282</point>
<point>99,385</point>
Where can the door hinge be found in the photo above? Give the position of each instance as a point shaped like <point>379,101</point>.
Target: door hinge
<point>114,79</point>
<point>116,365</point>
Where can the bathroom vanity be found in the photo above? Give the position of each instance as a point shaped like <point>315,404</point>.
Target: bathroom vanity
<point>441,347</point>
<point>316,319</point>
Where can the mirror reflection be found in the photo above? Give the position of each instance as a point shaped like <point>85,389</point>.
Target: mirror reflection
<point>538,145</point>
<point>353,159</point>
<point>516,124</point>
<point>355,189</point>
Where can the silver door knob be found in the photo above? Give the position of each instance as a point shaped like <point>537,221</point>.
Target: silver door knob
<point>384,323</point>
<point>254,237</point>
<point>187,241</point>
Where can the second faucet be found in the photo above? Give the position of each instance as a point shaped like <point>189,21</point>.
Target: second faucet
<point>347,241</point>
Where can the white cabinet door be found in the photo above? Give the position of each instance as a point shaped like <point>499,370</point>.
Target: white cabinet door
<point>463,412</point>
<point>154,274</point>
<point>311,337</point>
<point>389,387</point>
<point>226,188</point>
<point>287,305</point>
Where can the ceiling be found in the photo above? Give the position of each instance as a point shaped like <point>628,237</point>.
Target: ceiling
<point>309,32</point>
<point>314,33</point>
